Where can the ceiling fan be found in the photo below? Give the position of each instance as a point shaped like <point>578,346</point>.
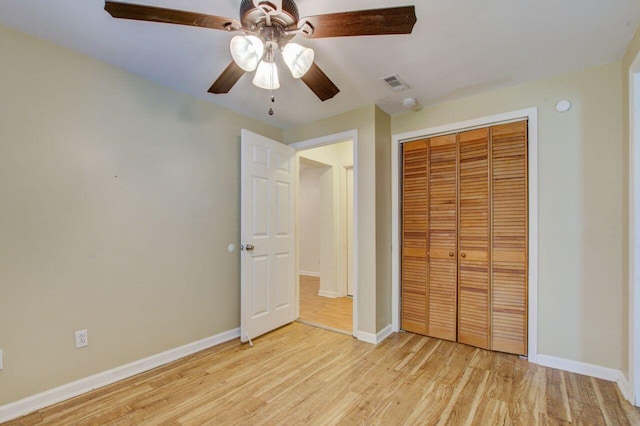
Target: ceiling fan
<point>267,26</point>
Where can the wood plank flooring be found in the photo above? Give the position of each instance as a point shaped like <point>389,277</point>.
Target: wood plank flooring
<point>335,313</point>
<point>305,375</point>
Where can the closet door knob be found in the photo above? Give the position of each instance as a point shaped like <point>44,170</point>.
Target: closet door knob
<point>463,254</point>
<point>450,254</point>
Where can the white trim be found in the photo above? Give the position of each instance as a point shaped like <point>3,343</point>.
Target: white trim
<point>572,366</point>
<point>625,387</point>
<point>309,273</point>
<point>61,393</point>
<point>327,293</point>
<point>363,336</point>
<point>634,235</point>
<point>374,339</point>
<point>384,333</point>
<point>344,226</point>
<point>604,373</point>
<point>532,309</point>
<point>532,115</point>
<point>328,140</point>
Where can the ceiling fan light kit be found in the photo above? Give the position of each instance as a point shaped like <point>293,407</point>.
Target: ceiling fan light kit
<point>298,58</point>
<point>268,27</point>
<point>267,76</point>
<point>247,51</point>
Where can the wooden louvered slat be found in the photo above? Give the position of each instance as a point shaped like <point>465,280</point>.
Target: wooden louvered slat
<point>473,238</point>
<point>414,237</point>
<point>442,237</point>
<point>509,230</point>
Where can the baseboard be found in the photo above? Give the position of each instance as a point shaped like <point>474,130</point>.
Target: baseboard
<point>384,333</point>
<point>310,274</point>
<point>331,294</point>
<point>61,393</point>
<point>592,370</point>
<point>604,373</point>
<point>625,387</point>
<point>374,338</point>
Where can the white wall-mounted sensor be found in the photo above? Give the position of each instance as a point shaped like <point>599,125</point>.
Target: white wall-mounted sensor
<point>409,103</point>
<point>563,106</point>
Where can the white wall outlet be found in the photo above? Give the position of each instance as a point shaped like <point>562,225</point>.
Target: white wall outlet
<point>82,339</point>
<point>1,364</point>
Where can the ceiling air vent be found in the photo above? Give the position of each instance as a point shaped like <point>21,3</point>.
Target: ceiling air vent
<point>395,83</point>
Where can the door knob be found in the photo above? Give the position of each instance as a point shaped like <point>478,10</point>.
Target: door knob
<point>463,254</point>
<point>249,247</point>
<point>450,254</point>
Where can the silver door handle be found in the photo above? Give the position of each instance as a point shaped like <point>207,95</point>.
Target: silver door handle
<point>249,247</point>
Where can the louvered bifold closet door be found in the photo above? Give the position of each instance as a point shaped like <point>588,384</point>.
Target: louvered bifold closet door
<point>414,237</point>
<point>442,237</point>
<point>473,238</point>
<point>509,245</point>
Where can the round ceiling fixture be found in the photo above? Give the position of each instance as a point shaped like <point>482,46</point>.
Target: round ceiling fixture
<point>409,103</point>
<point>563,106</point>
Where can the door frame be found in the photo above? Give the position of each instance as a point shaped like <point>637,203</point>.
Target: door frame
<point>530,114</point>
<point>344,172</point>
<point>633,393</point>
<point>316,143</point>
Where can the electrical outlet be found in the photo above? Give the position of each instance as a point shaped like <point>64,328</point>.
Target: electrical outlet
<point>82,339</point>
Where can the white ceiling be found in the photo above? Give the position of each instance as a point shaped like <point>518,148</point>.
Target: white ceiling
<point>458,48</point>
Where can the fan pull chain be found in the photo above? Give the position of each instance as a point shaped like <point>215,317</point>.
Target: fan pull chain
<point>273,99</point>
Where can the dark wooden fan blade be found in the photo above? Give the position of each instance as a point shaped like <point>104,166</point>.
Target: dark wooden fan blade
<point>319,83</point>
<point>169,16</point>
<point>394,20</point>
<point>227,79</point>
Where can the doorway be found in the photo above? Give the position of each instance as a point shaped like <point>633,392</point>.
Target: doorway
<point>326,236</point>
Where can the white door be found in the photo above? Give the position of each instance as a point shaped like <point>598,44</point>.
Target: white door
<point>267,234</point>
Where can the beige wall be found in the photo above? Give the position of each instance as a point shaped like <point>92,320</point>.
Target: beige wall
<point>580,155</point>
<point>308,219</point>
<point>363,120</point>
<point>119,198</point>
<point>383,219</point>
<point>632,51</point>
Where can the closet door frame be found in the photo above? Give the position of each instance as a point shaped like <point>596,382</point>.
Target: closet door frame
<point>530,114</point>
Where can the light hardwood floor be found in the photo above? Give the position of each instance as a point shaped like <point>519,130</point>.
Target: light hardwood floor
<point>305,375</point>
<point>335,313</point>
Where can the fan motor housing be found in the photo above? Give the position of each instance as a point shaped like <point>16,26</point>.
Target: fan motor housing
<point>251,16</point>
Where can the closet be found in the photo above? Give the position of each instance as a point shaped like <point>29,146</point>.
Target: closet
<point>464,237</point>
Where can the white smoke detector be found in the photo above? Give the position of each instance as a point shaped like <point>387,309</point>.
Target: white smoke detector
<point>409,103</point>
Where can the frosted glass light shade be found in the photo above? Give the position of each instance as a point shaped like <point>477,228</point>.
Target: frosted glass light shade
<point>247,51</point>
<point>298,59</point>
<point>266,76</point>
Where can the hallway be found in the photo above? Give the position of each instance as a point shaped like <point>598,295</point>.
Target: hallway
<point>335,313</point>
